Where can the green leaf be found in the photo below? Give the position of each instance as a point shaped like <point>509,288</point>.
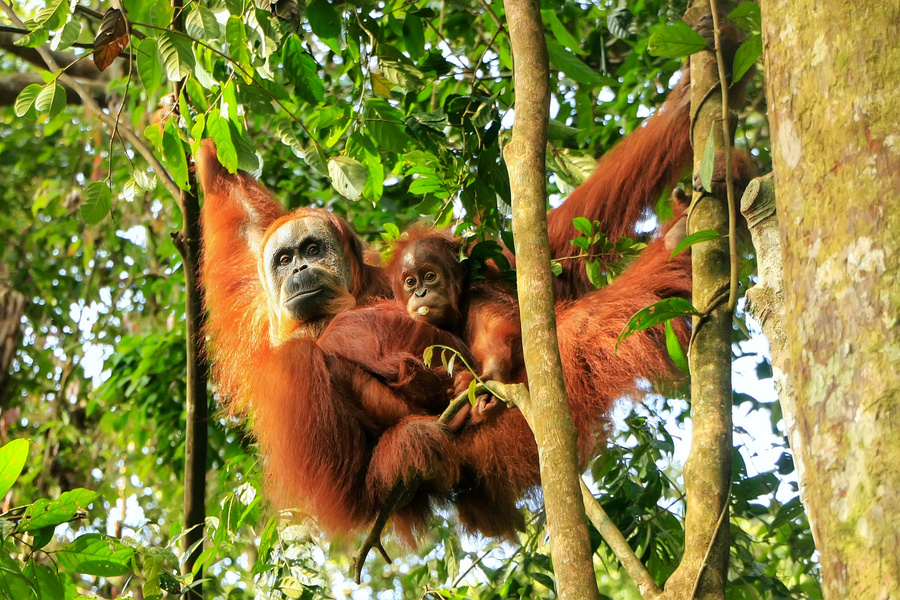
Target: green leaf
<point>98,555</point>
<point>385,123</point>
<point>147,56</point>
<point>747,16</point>
<point>556,268</point>
<point>49,513</point>
<point>473,399</point>
<point>413,36</point>
<point>560,32</point>
<point>46,581</point>
<point>51,100</point>
<point>571,65</point>
<point>67,35</point>
<point>246,153</point>
<point>218,130</point>
<point>676,352</point>
<point>592,269</point>
<point>161,14</point>
<point>707,166</point>
<point>236,36</point>
<point>325,22</point>
<point>348,176</point>
<point>173,152</point>
<point>177,56</point>
<point>97,202</point>
<point>583,225</point>
<point>202,24</point>
<point>13,584</point>
<point>401,71</point>
<point>12,459</point>
<point>428,355</point>
<point>746,56</point>
<point>675,40</point>
<point>37,37</point>
<point>26,99</point>
<point>42,537</point>
<point>695,238</point>
<point>656,314</point>
<point>302,70</point>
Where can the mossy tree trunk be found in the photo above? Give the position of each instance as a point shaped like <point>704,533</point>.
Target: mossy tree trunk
<point>832,75</point>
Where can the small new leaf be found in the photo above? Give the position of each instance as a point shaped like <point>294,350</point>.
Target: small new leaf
<point>111,38</point>
<point>656,314</point>
<point>676,352</point>
<point>695,238</point>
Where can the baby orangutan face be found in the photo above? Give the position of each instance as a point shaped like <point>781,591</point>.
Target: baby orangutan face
<point>430,283</point>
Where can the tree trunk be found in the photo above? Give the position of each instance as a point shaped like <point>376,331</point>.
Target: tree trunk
<point>832,69</point>
<point>707,472</point>
<point>548,413</point>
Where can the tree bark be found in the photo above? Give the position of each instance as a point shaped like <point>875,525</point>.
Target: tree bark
<point>548,413</point>
<point>831,75</point>
<point>188,242</point>
<point>702,572</point>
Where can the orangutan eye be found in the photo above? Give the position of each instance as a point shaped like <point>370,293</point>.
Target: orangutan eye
<point>410,282</point>
<point>430,276</point>
<point>284,259</point>
<point>312,250</point>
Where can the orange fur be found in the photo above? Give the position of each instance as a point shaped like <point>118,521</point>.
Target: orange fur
<point>343,417</point>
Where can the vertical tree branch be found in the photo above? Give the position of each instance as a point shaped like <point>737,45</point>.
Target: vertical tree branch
<point>549,414</point>
<point>188,242</point>
<point>707,473</point>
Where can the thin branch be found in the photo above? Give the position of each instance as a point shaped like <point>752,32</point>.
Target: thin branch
<point>88,101</point>
<point>729,176</point>
<point>619,545</point>
<point>66,60</point>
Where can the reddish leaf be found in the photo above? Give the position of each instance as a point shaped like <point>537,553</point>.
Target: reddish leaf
<point>111,39</point>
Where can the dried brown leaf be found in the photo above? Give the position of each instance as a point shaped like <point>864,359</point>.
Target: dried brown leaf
<point>111,39</point>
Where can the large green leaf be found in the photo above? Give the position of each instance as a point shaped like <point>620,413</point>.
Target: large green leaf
<point>301,69</point>
<point>12,458</point>
<point>26,98</point>
<point>218,130</point>
<point>147,58</point>
<point>173,152</point>
<point>97,202</point>
<point>675,40</point>
<point>177,55</point>
<point>48,513</point>
<point>51,100</point>
<point>348,176</point>
<point>747,55</point>
<point>98,555</point>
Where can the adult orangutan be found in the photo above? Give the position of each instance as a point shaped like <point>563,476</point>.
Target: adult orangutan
<point>344,408</point>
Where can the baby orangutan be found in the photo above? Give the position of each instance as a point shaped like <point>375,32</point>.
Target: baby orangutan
<point>428,278</point>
